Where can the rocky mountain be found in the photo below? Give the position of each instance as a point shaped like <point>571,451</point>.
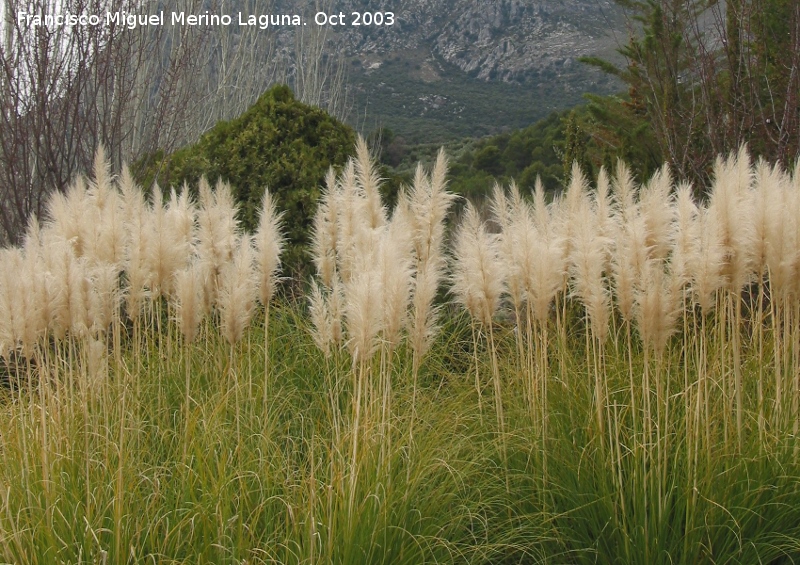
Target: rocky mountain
<point>449,68</point>
<point>503,40</point>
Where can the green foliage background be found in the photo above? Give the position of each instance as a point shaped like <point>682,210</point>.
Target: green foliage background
<point>279,143</point>
<point>595,134</point>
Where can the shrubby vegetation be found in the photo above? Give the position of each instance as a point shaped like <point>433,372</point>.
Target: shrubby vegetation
<point>278,144</point>
<point>595,135</point>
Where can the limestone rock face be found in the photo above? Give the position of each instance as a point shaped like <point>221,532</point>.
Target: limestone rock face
<point>504,40</point>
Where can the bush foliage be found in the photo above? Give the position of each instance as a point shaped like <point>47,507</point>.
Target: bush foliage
<point>280,144</point>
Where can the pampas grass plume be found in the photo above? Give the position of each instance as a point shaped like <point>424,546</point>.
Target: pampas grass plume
<point>396,272</point>
<point>269,243</point>
<point>478,279</point>
<point>706,260</point>
<point>188,300</point>
<point>237,292</point>
<point>321,324</point>
<point>587,262</point>
<point>657,307</point>
<point>105,296</point>
<point>685,215</point>
<point>324,235</point>
<point>216,230</point>
<point>362,312</point>
<point>734,224</point>
<point>368,180</point>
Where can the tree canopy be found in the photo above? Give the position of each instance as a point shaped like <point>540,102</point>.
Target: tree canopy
<point>708,76</point>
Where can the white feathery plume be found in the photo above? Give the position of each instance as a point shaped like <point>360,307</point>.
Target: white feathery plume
<point>514,241</point>
<point>105,297</point>
<point>269,242</point>
<point>237,291</point>
<point>324,235</point>
<point>478,279</point>
<point>656,208</point>
<point>321,324</point>
<point>423,322</point>
<point>685,215</point>
<point>80,298</point>
<point>6,300</point>
<point>159,253</point>
<point>732,182</point>
<point>348,226</point>
<point>779,241</point>
<point>587,261</point>
<point>104,234</point>
<point>657,307</point>
<point>39,306</point>
<point>794,211</point>
<point>216,230</point>
<point>362,314</point>
<point>188,299</point>
<point>607,216</point>
<point>545,274</point>
<point>604,205</point>
<point>136,243</point>
<point>66,213</point>
<point>430,203</point>
<point>336,308</point>
<point>396,273</point>
<point>14,263</point>
<point>706,259</point>
<point>570,207</point>
<point>624,189</point>
<point>368,180</point>
<point>767,186</point>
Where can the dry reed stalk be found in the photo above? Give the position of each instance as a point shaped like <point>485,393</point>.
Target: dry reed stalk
<point>394,264</point>
<point>704,262</point>
<point>730,191</point>
<point>269,243</point>
<point>514,254</point>
<point>768,181</point>
<point>478,283</point>
<point>428,205</point>
<point>543,270</point>
<point>189,314</point>
<point>780,275</point>
<point>543,280</point>
<point>133,264</point>
<point>586,263</point>
<point>324,234</point>
<point>630,253</point>
<point>216,234</point>
<point>236,302</point>
<point>363,321</point>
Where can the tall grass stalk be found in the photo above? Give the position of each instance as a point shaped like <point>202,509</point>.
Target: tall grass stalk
<point>269,243</point>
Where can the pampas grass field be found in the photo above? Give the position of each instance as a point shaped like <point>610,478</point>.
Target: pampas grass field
<point>610,376</point>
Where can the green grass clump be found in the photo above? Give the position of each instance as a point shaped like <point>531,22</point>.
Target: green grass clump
<point>110,467</point>
<point>135,478</point>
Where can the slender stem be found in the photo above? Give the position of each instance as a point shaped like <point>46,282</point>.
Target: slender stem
<point>266,361</point>
<point>498,399</point>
